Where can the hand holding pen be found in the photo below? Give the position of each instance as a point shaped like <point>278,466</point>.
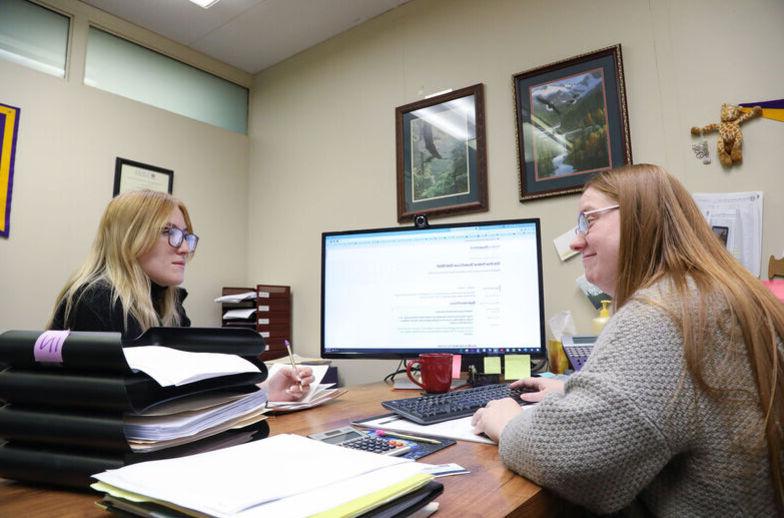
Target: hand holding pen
<point>290,384</point>
<point>293,363</point>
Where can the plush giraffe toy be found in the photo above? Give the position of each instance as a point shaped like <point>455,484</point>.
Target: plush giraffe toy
<point>730,136</point>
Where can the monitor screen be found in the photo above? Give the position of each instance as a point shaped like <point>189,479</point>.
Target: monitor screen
<point>465,288</point>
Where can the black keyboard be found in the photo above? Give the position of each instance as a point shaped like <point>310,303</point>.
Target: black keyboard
<point>459,403</point>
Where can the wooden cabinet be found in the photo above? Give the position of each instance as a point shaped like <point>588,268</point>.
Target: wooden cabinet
<point>268,311</point>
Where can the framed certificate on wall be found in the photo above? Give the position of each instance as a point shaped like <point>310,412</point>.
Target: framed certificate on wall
<point>130,175</point>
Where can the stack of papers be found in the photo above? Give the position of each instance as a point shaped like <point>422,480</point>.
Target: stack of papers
<point>318,394</point>
<point>282,476</point>
<point>190,419</point>
<point>153,432</point>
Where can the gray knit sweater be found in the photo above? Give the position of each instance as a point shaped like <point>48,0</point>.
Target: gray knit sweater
<point>632,428</point>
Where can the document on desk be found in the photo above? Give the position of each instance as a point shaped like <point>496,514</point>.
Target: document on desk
<point>458,429</point>
<point>284,475</point>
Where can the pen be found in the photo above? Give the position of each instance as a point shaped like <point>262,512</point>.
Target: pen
<point>409,437</point>
<point>293,364</point>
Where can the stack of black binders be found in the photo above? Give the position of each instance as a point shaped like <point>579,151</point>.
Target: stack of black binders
<point>69,398</point>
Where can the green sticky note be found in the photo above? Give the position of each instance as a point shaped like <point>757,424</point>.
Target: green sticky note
<point>518,366</point>
<point>492,365</point>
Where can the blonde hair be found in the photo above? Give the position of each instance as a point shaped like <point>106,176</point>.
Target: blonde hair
<point>130,226</point>
<point>665,236</point>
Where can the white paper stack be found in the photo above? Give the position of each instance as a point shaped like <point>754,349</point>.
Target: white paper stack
<point>282,476</point>
<point>187,420</point>
<point>188,423</point>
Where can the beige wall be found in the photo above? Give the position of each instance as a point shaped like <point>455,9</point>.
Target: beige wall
<point>321,152</point>
<point>322,125</point>
<point>69,137</point>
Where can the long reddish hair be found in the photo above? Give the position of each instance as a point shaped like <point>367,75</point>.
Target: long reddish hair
<point>665,236</point>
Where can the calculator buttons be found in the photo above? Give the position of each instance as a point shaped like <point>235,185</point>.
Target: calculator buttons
<point>376,444</point>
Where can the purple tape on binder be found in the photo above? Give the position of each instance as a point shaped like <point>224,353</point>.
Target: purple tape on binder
<point>49,346</point>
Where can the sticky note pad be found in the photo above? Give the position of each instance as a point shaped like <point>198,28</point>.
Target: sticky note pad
<point>492,365</point>
<point>456,364</point>
<point>518,366</point>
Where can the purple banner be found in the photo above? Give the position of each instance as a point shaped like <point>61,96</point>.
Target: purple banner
<point>49,346</point>
<point>9,127</point>
<point>778,103</point>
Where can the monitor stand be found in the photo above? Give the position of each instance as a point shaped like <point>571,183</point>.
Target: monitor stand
<point>407,384</point>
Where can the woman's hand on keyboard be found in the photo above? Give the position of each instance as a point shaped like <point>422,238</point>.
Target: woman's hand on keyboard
<point>492,419</point>
<point>540,387</point>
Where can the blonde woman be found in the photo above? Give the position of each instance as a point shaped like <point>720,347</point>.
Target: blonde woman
<point>130,279</point>
<point>679,410</point>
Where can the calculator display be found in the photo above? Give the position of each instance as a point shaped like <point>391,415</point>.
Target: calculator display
<point>339,436</point>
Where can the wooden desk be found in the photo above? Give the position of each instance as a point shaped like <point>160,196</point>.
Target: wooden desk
<point>490,490</point>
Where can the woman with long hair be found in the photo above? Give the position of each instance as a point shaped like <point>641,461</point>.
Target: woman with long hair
<point>130,280</point>
<point>680,407</point>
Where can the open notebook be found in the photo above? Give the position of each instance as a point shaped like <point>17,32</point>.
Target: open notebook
<point>318,394</point>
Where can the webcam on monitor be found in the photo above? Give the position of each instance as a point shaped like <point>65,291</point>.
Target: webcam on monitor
<point>420,221</point>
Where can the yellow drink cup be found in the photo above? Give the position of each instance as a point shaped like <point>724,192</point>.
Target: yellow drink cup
<point>556,357</point>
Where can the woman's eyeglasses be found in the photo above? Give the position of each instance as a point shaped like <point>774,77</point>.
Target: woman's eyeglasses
<point>177,235</point>
<point>583,223</point>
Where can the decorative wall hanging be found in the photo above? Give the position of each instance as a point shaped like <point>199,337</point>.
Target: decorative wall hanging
<point>730,142</point>
<point>572,122</point>
<point>9,128</point>
<point>441,155</point>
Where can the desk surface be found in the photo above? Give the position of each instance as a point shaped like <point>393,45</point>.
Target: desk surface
<point>489,490</point>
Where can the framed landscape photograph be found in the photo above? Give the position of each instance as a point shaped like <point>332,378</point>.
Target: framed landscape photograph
<point>441,155</point>
<point>572,122</point>
<point>134,176</point>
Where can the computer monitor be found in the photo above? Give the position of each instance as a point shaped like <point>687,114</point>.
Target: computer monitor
<point>461,288</point>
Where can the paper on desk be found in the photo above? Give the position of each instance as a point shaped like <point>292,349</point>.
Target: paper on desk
<point>170,366</point>
<point>737,219</point>
<point>459,429</point>
<point>231,480</point>
<point>322,397</point>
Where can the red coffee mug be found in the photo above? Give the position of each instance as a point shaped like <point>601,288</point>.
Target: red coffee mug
<point>435,370</point>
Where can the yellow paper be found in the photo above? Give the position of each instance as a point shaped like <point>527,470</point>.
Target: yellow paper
<point>492,365</point>
<point>369,502</point>
<point>518,366</point>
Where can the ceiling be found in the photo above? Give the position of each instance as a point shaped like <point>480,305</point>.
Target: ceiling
<point>248,34</point>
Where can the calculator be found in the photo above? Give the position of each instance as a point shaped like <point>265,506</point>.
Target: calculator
<point>349,437</point>
<point>577,349</point>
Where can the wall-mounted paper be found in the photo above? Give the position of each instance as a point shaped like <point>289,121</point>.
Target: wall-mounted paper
<point>562,244</point>
<point>736,218</point>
